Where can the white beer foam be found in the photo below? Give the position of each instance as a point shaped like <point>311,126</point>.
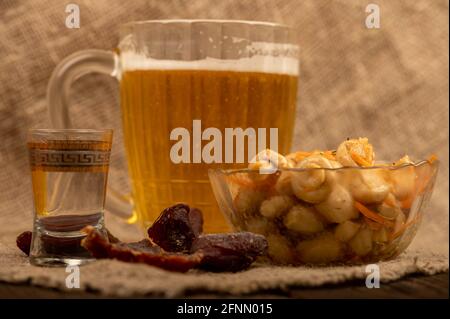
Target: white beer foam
<point>265,64</point>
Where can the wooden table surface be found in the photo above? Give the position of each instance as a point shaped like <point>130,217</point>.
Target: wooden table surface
<point>410,287</point>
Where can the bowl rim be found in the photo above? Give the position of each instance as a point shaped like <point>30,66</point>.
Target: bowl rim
<point>391,167</point>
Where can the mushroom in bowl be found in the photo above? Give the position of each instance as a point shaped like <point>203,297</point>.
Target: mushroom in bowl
<point>325,207</point>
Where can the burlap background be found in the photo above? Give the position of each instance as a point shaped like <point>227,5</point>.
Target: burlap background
<point>389,84</point>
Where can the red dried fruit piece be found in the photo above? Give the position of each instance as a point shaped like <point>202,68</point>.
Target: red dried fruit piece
<point>176,228</point>
<point>23,241</point>
<point>143,251</point>
<point>196,221</point>
<point>229,252</point>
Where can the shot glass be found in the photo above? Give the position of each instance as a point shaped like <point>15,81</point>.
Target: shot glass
<point>69,170</point>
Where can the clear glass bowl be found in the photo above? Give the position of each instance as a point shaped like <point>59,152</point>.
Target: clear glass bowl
<point>325,216</point>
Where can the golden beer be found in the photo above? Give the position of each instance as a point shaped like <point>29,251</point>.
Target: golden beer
<point>154,102</point>
<point>227,75</point>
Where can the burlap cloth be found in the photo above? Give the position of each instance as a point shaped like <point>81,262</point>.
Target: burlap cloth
<point>389,84</point>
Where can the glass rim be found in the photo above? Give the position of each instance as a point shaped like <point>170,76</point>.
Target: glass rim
<point>435,163</point>
<point>213,21</point>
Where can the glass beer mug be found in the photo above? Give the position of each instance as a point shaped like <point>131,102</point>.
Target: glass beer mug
<point>227,74</point>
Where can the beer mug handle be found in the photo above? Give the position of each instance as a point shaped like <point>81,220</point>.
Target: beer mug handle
<point>68,71</point>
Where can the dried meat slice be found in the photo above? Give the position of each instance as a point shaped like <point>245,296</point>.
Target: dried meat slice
<point>230,251</point>
<point>178,229</point>
<point>143,251</point>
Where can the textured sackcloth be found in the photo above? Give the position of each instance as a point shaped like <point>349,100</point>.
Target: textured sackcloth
<point>389,84</point>
<point>115,278</point>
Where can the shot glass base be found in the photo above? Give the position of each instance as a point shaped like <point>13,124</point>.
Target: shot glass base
<point>59,262</point>
<point>57,240</point>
